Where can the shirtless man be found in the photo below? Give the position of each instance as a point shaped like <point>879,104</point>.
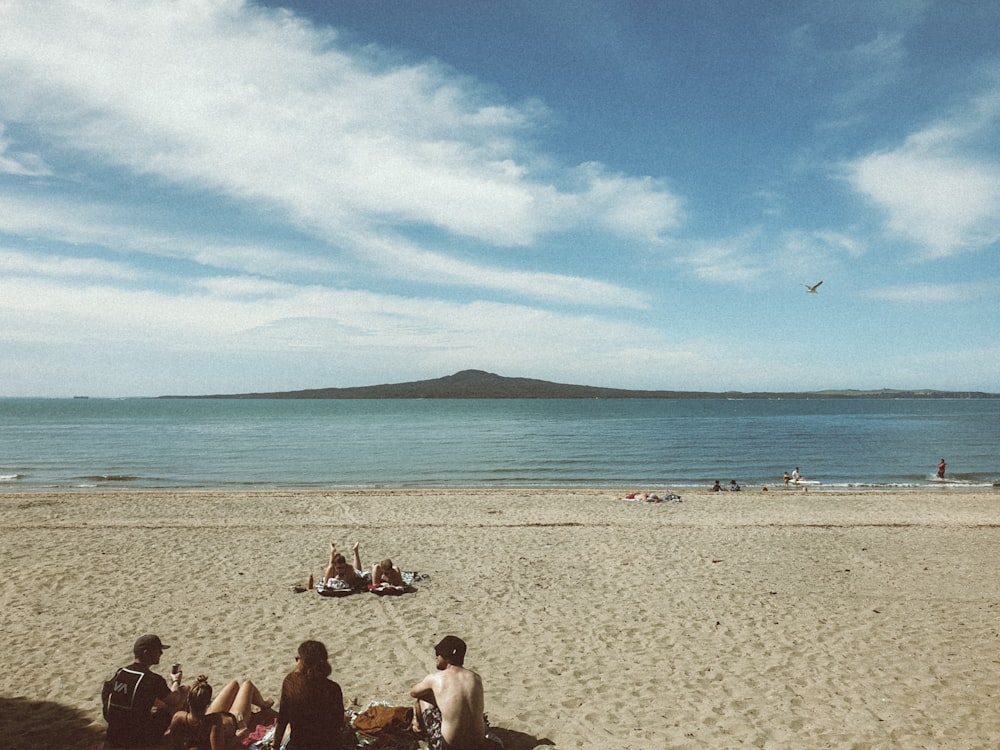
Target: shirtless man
<point>450,702</point>
<point>385,573</point>
<point>339,568</point>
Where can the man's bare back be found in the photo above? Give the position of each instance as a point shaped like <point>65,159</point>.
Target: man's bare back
<point>457,693</point>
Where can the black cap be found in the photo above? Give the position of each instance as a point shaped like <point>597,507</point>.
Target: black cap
<point>147,642</point>
<point>451,648</point>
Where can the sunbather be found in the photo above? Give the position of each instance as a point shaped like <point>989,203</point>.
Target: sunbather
<point>339,569</point>
<point>387,574</point>
<point>215,724</point>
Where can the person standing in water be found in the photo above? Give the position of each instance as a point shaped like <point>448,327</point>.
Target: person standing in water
<point>941,466</point>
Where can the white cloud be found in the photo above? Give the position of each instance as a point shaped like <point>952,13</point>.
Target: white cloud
<point>403,260</point>
<point>940,188</point>
<point>920,294</point>
<point>20,263</point>
<point>48,219</point>
<point>262,106</point>
<point>724,261</point>
<point>249,316</point>
<point>640,208</point>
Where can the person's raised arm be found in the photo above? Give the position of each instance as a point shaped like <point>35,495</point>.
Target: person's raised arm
<point>424,690</point>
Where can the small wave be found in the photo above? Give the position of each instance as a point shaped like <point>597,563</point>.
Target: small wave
<point>10,477</point>
<point>110,478</point>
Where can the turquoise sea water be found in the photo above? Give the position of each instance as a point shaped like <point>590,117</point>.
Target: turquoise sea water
<point>641,444</point>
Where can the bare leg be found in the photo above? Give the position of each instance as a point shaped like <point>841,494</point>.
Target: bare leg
<point>223,700</point>
<point>417,725</point>
<point>357,557</point>
<point>247,697</point>
<point>331,569</point>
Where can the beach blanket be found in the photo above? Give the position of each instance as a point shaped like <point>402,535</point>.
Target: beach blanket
<point>265,741</point>
<point>648,497</point>
<point>259,726</point>
<point>337,588</point>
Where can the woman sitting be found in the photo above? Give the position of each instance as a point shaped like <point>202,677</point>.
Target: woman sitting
<point>311,703</point>
<point>214,724</point>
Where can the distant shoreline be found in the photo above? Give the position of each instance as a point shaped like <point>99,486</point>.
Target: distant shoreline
<point>477,384</point>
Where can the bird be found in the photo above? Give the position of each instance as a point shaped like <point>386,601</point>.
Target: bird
<point>812,289</point>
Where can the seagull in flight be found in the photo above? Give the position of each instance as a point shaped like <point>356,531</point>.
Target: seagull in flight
<point>812,289</point>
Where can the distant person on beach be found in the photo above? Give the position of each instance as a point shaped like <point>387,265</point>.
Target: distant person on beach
<point>645,497</point>
<point>787,478</point>
<point>941,466</point>
<point>733,487</point>
<point>449,707</point>
<point>387,574</point>
<point>215,724</point>
<point>716,487</point>
<point>339,569</point>
<point>795,475</point>
<point>311,703</point>
<point>137,703</point>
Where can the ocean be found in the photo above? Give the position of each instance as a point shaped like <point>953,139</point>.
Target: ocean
<point>655,444</point>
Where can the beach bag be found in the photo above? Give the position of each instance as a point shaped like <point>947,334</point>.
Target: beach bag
<point>378,718</point>
<point>118,693</point>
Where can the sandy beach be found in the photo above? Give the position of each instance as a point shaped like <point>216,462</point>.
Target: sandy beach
<point>782,619</point>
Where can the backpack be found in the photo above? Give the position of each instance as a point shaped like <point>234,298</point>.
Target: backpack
<point>118,693</point>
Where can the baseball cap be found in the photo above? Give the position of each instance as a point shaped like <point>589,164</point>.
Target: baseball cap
<point>451,648</point>
<point>146,642</point>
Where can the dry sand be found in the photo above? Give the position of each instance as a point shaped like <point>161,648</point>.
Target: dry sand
<point>775,620</point>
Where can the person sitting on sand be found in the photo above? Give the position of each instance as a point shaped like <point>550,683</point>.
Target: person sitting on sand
<point>311,703</point>
<point>733,487</point>
<point>215,724</point>
<point>340,570</point>
<point>137,702</point>
<point>449,710</point>
<point>716,487</point>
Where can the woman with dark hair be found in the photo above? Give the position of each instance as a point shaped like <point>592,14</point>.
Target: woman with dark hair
<point>311,703</point>
<point>213,724</point>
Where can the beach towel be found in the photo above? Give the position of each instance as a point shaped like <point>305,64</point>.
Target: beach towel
<point>336,587</point>
<point>259,726</point>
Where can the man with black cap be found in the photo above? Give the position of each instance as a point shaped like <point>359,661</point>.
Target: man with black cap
<point>138,703</point>
<point>450,701</point>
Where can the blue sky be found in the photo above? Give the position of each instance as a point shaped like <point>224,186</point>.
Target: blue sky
<point>209,196</point>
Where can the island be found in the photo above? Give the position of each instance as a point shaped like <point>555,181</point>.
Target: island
<point>481,384</point>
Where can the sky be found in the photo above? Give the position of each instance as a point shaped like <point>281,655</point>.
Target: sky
<point>229,196</point>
